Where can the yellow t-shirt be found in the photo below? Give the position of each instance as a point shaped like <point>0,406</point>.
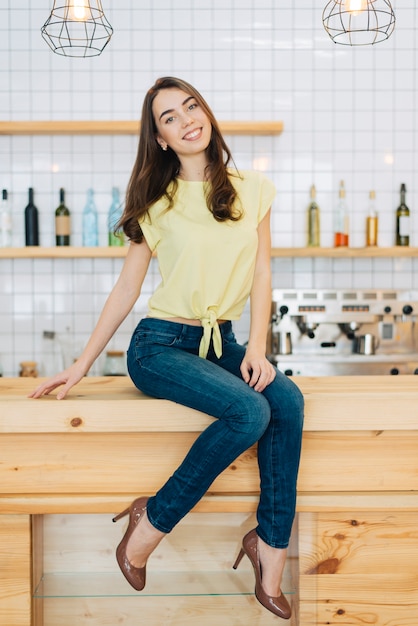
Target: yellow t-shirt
<point>206,266</point>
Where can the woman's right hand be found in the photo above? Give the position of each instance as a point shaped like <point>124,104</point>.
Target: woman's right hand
<point>68,378</point>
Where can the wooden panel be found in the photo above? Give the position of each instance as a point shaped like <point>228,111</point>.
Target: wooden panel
<point>37,567</point>
<point>200,543</point>
<point>363,542</point>
<point>15,569</point>
<point>167,611</point>
<point>357,501</point>
<point>124,127</point>
<point>335,613</point>
<point>332,404</point>
<point>394,589</point>
<point>97,404</point>
<point>345,403</point>
<point>113,502</point>
<point>97,463</point>
<point>359,461</point>
<point>358,568</point>
<point>100,463</point>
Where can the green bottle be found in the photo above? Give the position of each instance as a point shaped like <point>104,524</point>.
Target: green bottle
<point>62,222</point>
<point>313,221</point>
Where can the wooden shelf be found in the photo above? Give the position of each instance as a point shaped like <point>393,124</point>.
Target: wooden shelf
<point>104,252</point>
<point>346,253</point>
<point>124,127</point>
<point>63,252</point>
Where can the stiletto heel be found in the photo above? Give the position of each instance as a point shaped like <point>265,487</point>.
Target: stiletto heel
<point>279,606</point>
<point>120,515</point>
<point>134,575</point>
<point>239,558</point>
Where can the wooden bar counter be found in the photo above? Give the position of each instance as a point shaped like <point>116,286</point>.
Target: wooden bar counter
<point>356,534</point>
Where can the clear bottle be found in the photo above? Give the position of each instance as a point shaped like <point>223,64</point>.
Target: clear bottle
<point>50,362</point>
<point>115,363</point>
<point>115,213</point>
<point>62,222</point>
<point>5,221</point>
<point>313,215</point>
<point>90,221</point>
<point>341,220</point>
<point>31,222</point>
<point>372,222</point>
<point>402,220</point>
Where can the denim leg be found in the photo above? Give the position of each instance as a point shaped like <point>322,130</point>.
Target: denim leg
<point>168,367</point>
<point>278,452</point>
<point>278,459</point>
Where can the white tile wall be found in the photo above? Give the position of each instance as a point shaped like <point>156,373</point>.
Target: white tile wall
<point>348,113</point>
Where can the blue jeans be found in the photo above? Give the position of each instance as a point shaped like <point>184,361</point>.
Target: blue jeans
<point>163,362</point>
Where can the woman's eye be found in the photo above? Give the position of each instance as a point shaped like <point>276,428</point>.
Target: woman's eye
<point>192,106</point>
<point>169,120</point>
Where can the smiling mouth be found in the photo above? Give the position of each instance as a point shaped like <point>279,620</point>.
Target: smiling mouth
<point>194,134</point>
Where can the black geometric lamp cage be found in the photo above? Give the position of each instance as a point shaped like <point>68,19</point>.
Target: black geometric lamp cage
<point>358,22</point>
<point>77,28</point>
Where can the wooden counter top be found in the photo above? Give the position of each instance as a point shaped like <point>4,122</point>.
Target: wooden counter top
<point>360,441</point>
<point>332,403</point>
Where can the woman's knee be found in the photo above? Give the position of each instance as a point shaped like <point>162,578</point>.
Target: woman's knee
<point>250,414</point>
<point>286,400</point>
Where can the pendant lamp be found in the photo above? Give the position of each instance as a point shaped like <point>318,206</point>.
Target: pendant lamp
<point>358,22</point>
<point>77,28</point>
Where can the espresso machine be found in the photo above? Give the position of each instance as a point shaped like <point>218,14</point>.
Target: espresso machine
<point>333,332</point>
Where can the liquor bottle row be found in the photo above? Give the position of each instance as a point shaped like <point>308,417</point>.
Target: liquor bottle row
<point>90,221</point>
<point>341,220</point>
<point>90,230</point>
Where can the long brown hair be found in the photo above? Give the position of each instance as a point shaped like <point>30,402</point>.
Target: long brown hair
<point>154,168</point>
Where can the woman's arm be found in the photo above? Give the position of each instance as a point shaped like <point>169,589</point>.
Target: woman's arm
<point>119,303</point>
<point>256,369</point>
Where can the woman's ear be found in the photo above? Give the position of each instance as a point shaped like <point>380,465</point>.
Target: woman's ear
<point>162,143</point>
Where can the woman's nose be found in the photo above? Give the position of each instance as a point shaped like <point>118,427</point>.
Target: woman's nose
<point>187,120</point>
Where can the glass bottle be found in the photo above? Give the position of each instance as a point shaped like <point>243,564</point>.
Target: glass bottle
<point>90,221</point>
<point>115,363</point>
<point>31,222</point>
<point>402,220</point>
<point>62,222</point>
<point>28,369</point>
<point>341,221</point>
<point>115,213</point>
<point>313,221</point>
<point>372,222</point>
<point>5,221</point>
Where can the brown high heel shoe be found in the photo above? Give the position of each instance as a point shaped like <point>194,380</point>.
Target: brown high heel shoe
<point>279,606</point>
<point>134,575</point>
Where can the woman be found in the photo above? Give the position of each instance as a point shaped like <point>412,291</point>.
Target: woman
<point>209,225</point>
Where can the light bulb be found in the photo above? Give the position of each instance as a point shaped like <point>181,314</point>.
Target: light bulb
<point>79,10</point>
<point>355,6</point>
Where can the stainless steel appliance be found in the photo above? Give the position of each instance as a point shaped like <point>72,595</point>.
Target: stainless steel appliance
<point>345,332</point>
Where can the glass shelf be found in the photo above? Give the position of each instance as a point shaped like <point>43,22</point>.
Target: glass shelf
<point>112,584</point>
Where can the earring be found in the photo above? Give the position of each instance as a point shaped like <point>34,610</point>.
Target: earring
<point>164,147</point>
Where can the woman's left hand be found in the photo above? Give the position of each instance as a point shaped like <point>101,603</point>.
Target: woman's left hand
<point>257,371</point>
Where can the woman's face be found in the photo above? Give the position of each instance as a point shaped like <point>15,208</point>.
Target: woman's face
<point>181,122</point>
